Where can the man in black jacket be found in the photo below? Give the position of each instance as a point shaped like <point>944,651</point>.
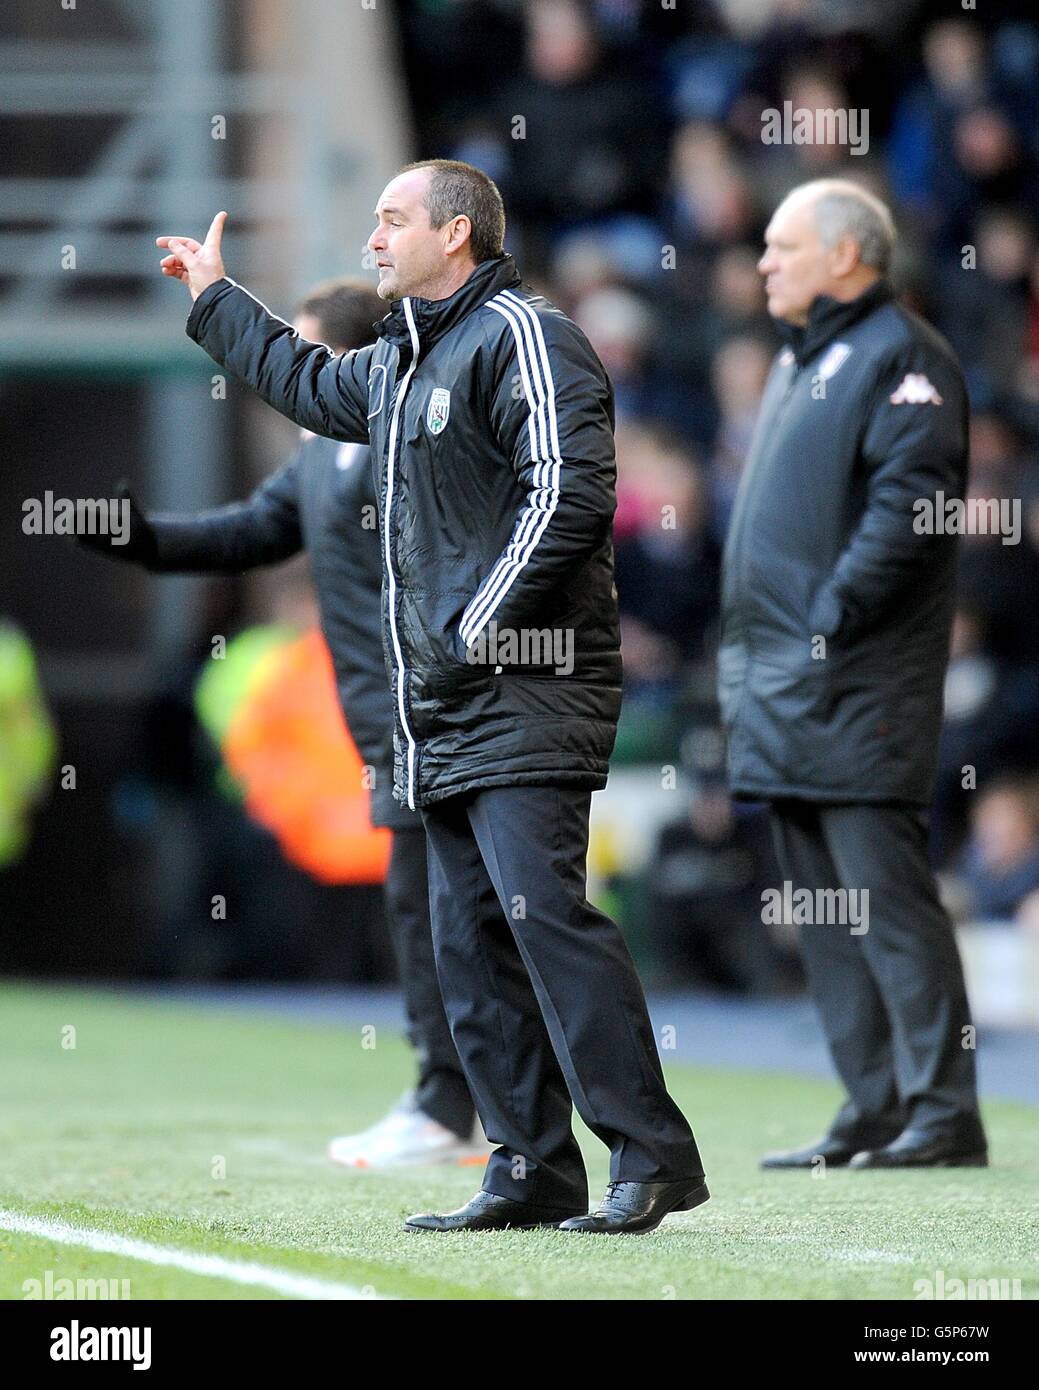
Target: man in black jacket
<point>838,590</point>
<point>323,501</point>
<point>490,421</point>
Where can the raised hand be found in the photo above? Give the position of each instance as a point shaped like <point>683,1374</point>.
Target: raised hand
<point>198,265</point>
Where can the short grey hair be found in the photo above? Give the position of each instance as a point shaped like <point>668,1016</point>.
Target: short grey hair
<point>842,208</point>
<point>457,189</point>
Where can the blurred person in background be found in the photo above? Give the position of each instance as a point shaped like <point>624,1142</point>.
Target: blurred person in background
<point>836,617</point>
<point>620,326</point>
<point>704,920</point>
<point>809,87</point>
<point>961,134</point>
<point>709,203</point>
<point>999,570</point>
<point>666,567</point>
<point>286,752</point>
<point>28,742</point>
<point>986,310</point>
<point>954,79</point>
<point>991,711</point>
<point>1000,863</point>
<point>573,81</point>
<point>323,501</point>
<point>738,374</point>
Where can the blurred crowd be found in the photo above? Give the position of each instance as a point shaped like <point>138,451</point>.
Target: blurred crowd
<point>627,140</point>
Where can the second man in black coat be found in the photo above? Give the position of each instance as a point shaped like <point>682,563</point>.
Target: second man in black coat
<point>838,592</point>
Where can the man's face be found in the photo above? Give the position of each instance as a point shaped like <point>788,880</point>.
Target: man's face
<point>409,253</point>
<point>796,264</point>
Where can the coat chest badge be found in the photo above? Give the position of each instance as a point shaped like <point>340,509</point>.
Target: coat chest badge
<point>834,360</point>
<point>439,410</point>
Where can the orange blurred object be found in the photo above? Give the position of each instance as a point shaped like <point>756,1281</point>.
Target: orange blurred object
<point>301,775</point>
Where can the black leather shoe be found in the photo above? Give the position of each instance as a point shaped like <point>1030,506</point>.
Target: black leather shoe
<point>836,1152</point>
<point>639,1206</point>
<point>916,1148</point>
<point>489,1212</point>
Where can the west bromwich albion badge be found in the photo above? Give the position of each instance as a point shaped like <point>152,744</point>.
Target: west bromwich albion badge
<point>439,409</point>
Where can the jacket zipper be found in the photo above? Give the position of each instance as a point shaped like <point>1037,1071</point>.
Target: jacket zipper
<point>402,673</point>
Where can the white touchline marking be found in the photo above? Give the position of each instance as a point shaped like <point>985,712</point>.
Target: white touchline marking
<point>215,1266</point>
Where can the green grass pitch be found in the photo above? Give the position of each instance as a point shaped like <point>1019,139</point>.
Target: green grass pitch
<point>205,1131</point>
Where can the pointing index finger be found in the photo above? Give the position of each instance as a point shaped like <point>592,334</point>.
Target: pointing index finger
<point>216,230</point>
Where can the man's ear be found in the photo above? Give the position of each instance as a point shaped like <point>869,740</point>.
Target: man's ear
<point>461,229</point>
<point>845,256</point>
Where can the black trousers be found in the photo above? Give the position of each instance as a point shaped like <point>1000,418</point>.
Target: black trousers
<point>543,999</point>
<point>441,1090</point>
<point>892,1000</point>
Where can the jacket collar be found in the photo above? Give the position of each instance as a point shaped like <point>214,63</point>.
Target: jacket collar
<point>827,317</point>
<point>435,317</point>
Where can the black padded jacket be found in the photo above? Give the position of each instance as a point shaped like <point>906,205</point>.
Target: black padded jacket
<point>490,423</point>
<point>838,592</point>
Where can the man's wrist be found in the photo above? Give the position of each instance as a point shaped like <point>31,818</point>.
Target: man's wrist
<point>198,307</point>
<point>197,294</point>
